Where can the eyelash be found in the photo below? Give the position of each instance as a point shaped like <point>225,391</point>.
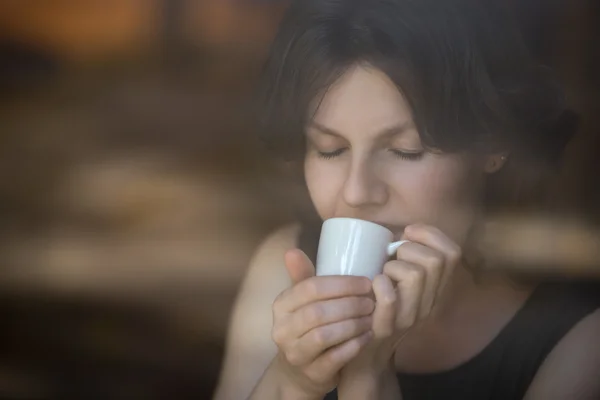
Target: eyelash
<point>412,156</point>
<point>331,154</point>
<point>409,156</point>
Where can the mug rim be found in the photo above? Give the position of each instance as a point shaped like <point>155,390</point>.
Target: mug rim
<point>359,221</point>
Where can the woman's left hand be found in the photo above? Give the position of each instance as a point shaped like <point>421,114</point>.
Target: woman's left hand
<point>420,273</point>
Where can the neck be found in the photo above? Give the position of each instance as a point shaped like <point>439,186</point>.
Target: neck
<point>472,290</point>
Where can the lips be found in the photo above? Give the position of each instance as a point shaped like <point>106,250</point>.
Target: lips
<point>396,229</point>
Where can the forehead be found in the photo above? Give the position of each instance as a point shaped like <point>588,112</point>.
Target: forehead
<point>364,97</point>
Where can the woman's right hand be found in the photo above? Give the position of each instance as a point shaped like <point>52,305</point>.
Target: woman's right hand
<point>320,324</point>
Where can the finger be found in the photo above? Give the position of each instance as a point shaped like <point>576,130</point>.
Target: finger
<point>298,265</point>
<point>384,316</point>
<point>327,365</point>
<point>318,340</point>
<point>319,288</point>
<point>411,281</point>
<point>434,238</point>
<point>329,311</point>
<point>433,262</point>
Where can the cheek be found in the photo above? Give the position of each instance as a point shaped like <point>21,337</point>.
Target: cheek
<point>448,184</point>
<point>439,182</point>
<point>443,192</point>
<point>324,183</point>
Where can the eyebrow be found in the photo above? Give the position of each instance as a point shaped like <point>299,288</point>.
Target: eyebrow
<point>384,133</point>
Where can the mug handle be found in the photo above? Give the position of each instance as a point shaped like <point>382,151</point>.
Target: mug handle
<point>393,247</point>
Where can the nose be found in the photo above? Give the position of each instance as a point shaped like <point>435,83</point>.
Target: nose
<point>363,187</point>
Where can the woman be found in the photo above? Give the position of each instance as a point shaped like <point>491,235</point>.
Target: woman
<point>424,116</point>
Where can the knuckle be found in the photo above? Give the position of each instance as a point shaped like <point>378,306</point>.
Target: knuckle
<point>293,358</point>
<point>415,275</point>
<point>353,348</point>
<point>278,335</point>
<point>360,324</point>
<point>391,266</point>
<point>315,315</point>
<point>277,304</point>
<point>418,229</point>
<point>310,289</point>
<point>321,337</point>
<point>416,226</point>
<point>455,255</point>
<point>434,262</point>
<point>394,270</point>
<point>366,305</point>
<point>355,325</point>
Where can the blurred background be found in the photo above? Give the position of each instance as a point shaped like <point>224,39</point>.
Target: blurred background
<point>133,189</point>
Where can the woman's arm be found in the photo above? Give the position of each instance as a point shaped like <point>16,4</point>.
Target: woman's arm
<point>572,370</point>
<point>377,387</point>
<point>274,386</point>
<point>249,349</point>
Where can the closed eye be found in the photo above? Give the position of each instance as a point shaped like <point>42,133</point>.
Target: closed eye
<point>407,155</point>
<point>331,154</point>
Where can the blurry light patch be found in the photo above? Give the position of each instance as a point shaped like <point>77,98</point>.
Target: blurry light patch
<point>542,244</point>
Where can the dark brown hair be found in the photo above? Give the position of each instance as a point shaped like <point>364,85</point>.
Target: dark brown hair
<point>461,64</point>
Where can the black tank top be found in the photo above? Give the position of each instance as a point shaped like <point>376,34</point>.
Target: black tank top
<point>506,367</point>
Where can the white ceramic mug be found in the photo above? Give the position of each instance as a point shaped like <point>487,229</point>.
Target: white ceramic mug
<point>349,246</point>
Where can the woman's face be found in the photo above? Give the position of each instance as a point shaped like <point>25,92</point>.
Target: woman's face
<point>365,160</point>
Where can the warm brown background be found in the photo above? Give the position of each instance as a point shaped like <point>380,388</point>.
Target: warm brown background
<point>133,189</point>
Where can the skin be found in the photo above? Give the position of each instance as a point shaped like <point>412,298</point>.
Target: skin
<point>366,120</point>
<point>365,160</point>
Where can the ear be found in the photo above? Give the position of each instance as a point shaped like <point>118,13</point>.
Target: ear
<point>494,162</point>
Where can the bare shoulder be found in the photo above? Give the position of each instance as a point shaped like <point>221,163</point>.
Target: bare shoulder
<point>249,348</point>
<point>572,368</point>
<point>269,255</point>
<point>265,279</point>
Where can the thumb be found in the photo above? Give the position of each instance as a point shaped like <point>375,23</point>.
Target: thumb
<point>298,265</point>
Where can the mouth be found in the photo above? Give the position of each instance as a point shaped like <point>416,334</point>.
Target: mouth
<point>396,229</point>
